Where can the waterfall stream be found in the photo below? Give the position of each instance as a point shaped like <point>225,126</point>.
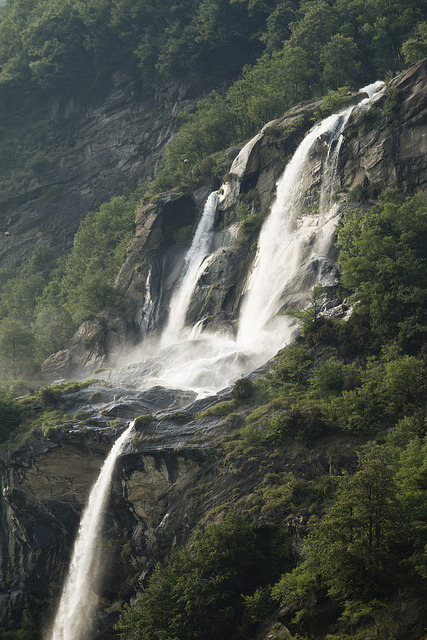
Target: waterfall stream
<point>199,249</point>
<point>79,600</point>
<point>291,239</point>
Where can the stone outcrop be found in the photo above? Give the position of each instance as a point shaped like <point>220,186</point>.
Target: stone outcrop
<point>95,152</point>
<point>386,143</point>
<point>95,343</point>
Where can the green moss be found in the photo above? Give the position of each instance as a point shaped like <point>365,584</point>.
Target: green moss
<point>143,421</point>
<point>219,409</point>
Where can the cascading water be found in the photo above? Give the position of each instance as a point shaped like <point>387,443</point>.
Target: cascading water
<point>200,248</point>
<point>293,243</point>
<point>287,240</point>
<point>75,616</point>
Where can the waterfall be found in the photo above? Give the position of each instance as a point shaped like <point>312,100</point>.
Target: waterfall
<point>294,243</point>
<point>292,256</point>
<point>79,599</point>
<point>199,249</point>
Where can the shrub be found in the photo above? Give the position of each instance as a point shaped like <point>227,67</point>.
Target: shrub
<point>11,413</point>
<point>49,397</point>
<point>142,421</point>
<point>243,389</point>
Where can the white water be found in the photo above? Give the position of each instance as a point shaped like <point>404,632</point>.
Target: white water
<point>289,240</point>
<point>200,248</point>
<point>79,599</point>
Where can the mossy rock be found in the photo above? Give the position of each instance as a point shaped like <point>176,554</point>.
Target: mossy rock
<point>142,421</point>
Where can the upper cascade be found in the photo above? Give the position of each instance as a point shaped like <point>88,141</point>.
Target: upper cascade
<point>200,248</point>
<point>294,253</point>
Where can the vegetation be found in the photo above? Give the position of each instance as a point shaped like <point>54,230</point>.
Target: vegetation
<point>356,390</point>
<point>204,590</point>
<point>42,305</point>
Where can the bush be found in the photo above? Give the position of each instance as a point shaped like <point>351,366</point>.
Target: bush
<point>11,413</point>
<point>243,389</point>
<point>142,421</point>
<point>49,397</point>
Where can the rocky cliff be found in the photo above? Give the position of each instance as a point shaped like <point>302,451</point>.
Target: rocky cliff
<point>79,157</point>
<point>160,487</point>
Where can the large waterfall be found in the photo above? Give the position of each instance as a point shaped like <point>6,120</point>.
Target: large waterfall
<point>293,241</point>
<point>75,616</point>
<point>293,254</point>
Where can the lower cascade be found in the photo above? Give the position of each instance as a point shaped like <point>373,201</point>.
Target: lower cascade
<point>75,616</point>
<point>293,254</point>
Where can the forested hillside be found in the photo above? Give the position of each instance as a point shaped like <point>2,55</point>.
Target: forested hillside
<point>292,505</point>
<point>62,50</point>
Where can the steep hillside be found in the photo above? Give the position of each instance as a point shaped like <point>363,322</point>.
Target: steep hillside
<point>271,487</point>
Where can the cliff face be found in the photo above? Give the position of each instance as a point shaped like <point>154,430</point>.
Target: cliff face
<point>384,147</point>
<point>154,504</point>
<point>93,153</point>
<point>45,486</point>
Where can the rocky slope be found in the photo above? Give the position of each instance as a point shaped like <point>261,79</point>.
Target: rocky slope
<point>157,494</point>
<point>90,154</point>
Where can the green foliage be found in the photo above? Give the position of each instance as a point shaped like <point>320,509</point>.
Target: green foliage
<point>334,100</point>
<point>243,389</point>
<point>142,421</point>
<point>354,547</point>
<point>293,365</point>
<point>383,259</point>
<point>389,389</point>
<point>98,251</point>
<point>219,409</point>
<point>310,316</point>
<point>17,348</point>
<point>201,592</point>
<point>11,414</point>
<point>415,47</point>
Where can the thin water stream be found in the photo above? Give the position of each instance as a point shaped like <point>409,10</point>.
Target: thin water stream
<point>79,600</point>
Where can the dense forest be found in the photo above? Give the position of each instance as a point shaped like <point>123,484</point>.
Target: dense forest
<point>354,388</point>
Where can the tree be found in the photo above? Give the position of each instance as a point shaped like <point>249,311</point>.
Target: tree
<point>353,548</point>
<point>339,59</point>
<point>383,258</point>
<point>17,347</point>
<point>415,47</point>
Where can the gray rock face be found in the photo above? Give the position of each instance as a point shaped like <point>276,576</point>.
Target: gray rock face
<point>386,144</point>
<point>98,152</point>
